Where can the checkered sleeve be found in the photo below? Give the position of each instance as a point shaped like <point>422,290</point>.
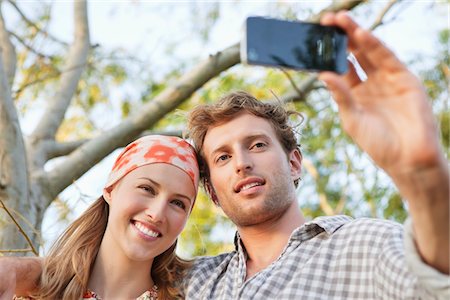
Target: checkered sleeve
<point>432,280</point>
<point>394,279</point>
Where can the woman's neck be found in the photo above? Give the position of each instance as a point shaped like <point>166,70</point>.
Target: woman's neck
<point>115,276</point>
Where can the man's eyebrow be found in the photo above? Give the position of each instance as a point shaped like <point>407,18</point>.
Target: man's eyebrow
<point>222,148</point>
<point>247,139</point>
<point>257,136</point>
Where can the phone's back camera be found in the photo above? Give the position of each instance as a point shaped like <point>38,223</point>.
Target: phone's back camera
<point>252,54</point>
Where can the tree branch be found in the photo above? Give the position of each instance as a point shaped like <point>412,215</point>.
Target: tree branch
<point>34,25</point>
<point>30,48</point>
<point>55,149</point>
<point>336,6</point>
<point>90,153</point>
<point>13,165</point>
<point>300,92</point>
<point>380,18</point>
<point>19,227</point>
<point>56,73</point>
<point>8,51</point>
<point>18,251</point>
<point>54,114</point>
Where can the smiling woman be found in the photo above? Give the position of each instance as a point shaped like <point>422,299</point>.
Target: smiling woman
<point>123,246</point>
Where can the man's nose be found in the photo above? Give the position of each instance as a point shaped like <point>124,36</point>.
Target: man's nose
<point>243,162</point>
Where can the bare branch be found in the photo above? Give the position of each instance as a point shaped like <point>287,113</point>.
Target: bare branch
<point>17,250</point>
<point>8,51</point>
<point>56,73</point>
<point>34,25</point>
<point>90,153</point>
<point>296,89</point>
<point>54,149</point>
<point>380,18</point>
<point>300,92</point>
<point>13,166</point>
<point>337,6</point>
<point>19,227</point>
<point>20,89</point>
<point>54,114</point>
<point>30,48</point>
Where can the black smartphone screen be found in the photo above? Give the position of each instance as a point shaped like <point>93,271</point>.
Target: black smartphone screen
<point>296,45</point>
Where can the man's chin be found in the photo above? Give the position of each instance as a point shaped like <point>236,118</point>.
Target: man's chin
<point>254,217</point>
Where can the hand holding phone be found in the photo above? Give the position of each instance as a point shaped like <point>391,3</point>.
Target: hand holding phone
<point>295,45</point>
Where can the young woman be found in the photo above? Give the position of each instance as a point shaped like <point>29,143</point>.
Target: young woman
<point>123,246</point>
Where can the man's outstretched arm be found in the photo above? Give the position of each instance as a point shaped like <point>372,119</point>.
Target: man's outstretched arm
<point>18,275</point>
<point>389,117</point>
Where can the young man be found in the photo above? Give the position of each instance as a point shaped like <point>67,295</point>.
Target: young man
<point>251,166</point>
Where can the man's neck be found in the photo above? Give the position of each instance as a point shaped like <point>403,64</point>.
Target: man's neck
<point>265,242</point>
<point>115,276</point>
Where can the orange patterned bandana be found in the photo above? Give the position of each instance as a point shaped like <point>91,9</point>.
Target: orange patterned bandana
<point>152,149</point>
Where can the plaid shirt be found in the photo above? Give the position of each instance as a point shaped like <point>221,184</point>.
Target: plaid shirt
<point>327,258</point>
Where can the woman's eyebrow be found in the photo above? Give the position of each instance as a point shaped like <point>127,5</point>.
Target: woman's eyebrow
<point>152,181</point>
<point>159,185</point>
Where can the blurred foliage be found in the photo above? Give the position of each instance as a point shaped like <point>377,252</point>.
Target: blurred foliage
<point>437,83</point>
<point>205,227</point>
<point>340,178</point>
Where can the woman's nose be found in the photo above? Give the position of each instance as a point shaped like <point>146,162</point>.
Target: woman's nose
<point>156,210</point>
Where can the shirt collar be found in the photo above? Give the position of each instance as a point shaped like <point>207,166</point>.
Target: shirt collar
<point>308,230</point>
<point>328,224</point>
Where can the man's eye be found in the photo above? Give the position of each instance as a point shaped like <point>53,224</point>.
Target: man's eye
<point>179,203</point>
<point>223,157</point>
<point>259,145</point>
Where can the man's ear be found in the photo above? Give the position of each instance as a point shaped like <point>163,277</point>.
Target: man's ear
<point>295,163</point>
<point>107,195</point>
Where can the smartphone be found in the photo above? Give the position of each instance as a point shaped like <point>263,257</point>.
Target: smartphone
<point>295,45</point>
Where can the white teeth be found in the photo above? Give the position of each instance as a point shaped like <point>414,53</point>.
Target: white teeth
<point>145,230</point>
<point>249,185</point>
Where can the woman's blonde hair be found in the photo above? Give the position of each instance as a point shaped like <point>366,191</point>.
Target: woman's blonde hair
<point>69,264</point>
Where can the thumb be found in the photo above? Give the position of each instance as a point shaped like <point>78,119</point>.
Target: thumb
<point>7,294</point>
<point>339,89</point>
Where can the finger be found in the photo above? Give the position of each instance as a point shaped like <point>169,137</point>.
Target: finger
<point>339,89</point>
<point>352,77</point>
<point>331,19</point>
<point>373,53</point>
<point>348,109</point>
<point>344,21</point>
<point>7,295</point>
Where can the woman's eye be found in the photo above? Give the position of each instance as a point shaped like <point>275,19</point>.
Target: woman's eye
<point>148,189</point>
<point>179,203</point>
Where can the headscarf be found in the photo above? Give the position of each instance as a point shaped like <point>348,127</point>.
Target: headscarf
<point>152,149</point>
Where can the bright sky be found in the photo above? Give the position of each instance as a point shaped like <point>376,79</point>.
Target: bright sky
<point>141,27</point>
